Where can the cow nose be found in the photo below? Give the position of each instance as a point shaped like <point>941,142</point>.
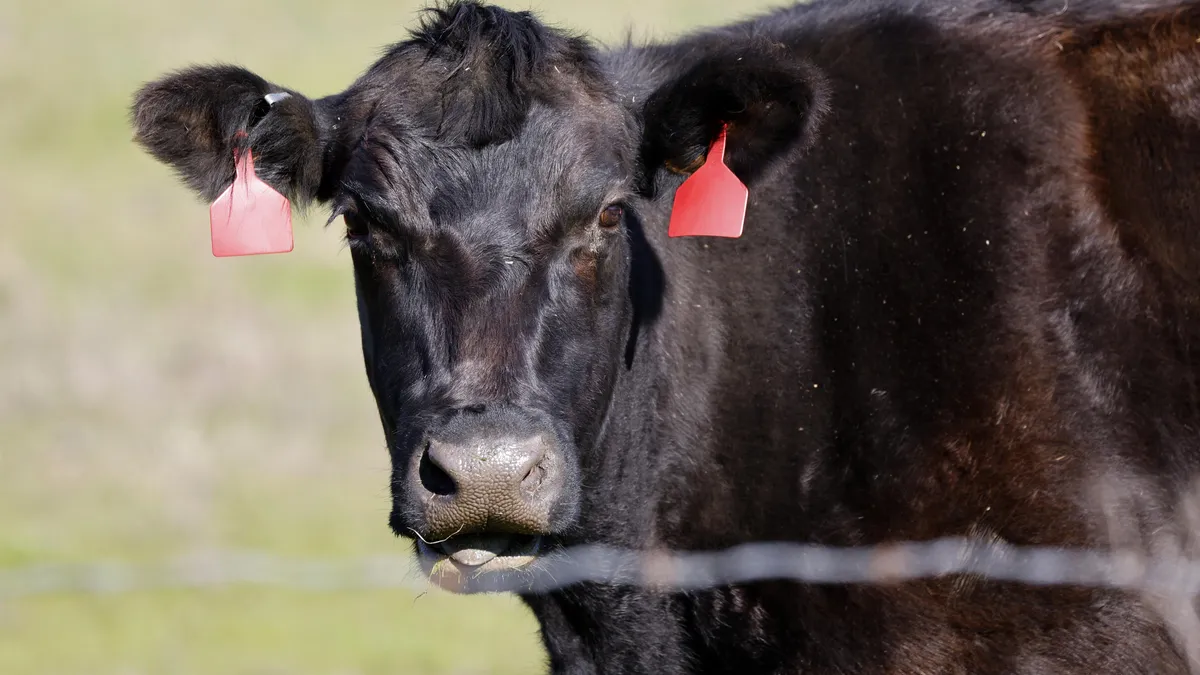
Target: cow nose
<point>504,466</point>
<point>503,484</point>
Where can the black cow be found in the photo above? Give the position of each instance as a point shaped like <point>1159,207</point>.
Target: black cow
<point>967,303</point>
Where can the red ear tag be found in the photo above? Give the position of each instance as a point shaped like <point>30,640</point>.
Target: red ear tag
<point>250,217</point>
<point>712,201</point>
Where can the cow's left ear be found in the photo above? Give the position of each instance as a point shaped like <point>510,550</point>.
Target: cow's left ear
<point>771,100</point>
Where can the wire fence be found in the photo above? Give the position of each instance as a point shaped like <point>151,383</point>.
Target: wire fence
<point>1160,563</point>
<point>1168,584</point>
<point>1176,576</point>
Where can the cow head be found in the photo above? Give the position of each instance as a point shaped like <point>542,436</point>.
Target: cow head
<point>489,172</point>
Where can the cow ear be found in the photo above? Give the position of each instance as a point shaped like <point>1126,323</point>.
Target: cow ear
<point>192,120</point>
<point>771,101</point>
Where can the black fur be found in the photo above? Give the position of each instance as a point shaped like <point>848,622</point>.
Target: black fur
<point>966,300</point>
<point>191,120</point>
<point>495,64</point>
<point>768,98</point>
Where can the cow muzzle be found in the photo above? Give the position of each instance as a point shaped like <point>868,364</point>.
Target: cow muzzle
<point>486,485</point>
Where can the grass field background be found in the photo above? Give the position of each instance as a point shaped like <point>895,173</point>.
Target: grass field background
<point>156,401</point>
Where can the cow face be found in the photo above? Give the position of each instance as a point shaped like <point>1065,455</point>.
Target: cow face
<point>487,174</point>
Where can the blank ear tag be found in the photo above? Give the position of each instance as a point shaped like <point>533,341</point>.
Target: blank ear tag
<point>250,217</point>
<point>712,201</point>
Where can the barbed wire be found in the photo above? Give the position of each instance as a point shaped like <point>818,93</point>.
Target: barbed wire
<point>209,570</point>
<point>664,570</point>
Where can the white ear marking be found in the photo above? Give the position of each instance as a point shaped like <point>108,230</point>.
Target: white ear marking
<point>276,97</point>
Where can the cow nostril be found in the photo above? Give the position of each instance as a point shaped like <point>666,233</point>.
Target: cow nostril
<point>533,480</point>
<point>434,478</point>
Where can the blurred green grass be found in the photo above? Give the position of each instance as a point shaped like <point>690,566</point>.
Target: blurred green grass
<point>154,400</point>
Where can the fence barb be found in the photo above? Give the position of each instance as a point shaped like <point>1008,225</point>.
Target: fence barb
<point>763,561</point>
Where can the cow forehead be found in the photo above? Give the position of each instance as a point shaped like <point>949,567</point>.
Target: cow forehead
<point>564,164</point>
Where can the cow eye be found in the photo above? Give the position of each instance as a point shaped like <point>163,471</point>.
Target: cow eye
<point>611,216</point>
<point>356,227</point>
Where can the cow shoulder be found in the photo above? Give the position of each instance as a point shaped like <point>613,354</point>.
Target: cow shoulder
<point>1138,73</point>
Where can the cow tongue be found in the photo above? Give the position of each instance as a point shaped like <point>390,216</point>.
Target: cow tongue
<point>473,550</point>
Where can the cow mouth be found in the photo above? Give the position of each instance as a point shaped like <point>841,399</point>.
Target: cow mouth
<point>453,564</point>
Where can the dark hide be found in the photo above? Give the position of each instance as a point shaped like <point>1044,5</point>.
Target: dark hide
<point>966,304</point>
<point>190,120</point>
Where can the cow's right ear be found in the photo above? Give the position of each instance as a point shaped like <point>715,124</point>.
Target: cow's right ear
<point>191,120</point>
<point>771,101</point>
